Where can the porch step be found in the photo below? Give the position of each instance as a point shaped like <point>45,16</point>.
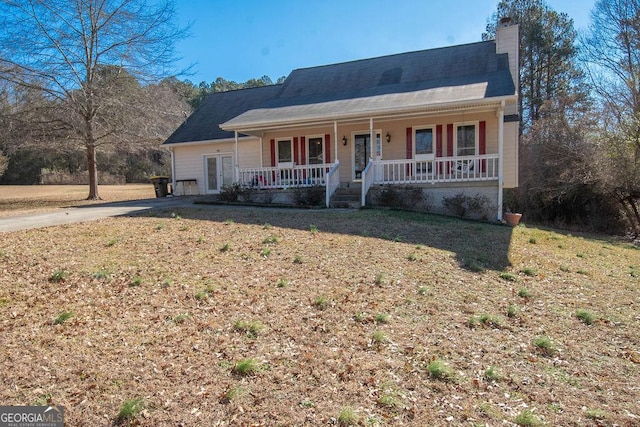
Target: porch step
<point>346,198</point>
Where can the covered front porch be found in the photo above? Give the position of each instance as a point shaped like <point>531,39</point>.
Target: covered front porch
<point>447,146</point>
<point>457,169</point>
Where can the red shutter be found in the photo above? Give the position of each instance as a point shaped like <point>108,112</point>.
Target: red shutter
<point>273,152</point>
<point>439,145</point>
<point>295,151</point>
<point>483,143</point>
<point>327,148</point>
<point>303,152</point>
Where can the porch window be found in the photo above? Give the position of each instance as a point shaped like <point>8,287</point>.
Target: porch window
<point>316,150</point>
<point>466,140</point>
<point>424,142</point>
<point>285,153</point>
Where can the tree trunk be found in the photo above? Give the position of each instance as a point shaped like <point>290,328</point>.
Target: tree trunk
<point>628,204</point>
<point>93,172</point>
<point>634,208</point>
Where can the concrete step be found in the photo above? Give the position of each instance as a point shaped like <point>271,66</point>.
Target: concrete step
<point>346,198</point>
<point>345,204</point>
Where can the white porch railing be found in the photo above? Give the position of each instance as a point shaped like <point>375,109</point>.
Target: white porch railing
<point>442,169</point>
<point>275,177</point>
<point>333,182</point>
<point>368,178</point>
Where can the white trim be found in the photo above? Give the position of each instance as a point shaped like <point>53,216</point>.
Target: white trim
<point>485,104</point>
<point>173,170</point>
<point>208,141</point>
<point>220,177</point>
<point>378,132</point>
<point>277,147</point>
<point>433,143</point>
<point>476,124</point>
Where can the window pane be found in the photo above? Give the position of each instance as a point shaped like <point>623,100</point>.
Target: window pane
<point>316,155</point>
<point>466,140</point>
<point>212,173</point>
<point>424,141</point>
<point>284,151</point>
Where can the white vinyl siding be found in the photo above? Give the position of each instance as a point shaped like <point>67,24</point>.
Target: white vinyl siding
<point>189,164</point>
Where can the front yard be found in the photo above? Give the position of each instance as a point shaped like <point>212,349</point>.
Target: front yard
<point>236,316</point>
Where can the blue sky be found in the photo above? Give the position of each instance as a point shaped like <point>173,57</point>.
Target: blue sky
<point>243,39</point>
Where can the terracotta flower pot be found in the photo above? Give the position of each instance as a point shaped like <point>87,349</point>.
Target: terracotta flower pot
<point>512,219</point>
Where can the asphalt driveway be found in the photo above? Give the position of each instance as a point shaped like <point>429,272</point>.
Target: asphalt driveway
<point>89,213</point>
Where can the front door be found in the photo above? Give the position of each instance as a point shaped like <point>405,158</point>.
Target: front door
<point>362,152</point>
<point>219,172</point>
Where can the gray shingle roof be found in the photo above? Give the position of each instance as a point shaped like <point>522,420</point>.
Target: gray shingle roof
<point>203,124</point>
<point>405,72</point>
<point>464,72</point>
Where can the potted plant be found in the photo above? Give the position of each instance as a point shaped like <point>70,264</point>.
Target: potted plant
<point>512,219</point>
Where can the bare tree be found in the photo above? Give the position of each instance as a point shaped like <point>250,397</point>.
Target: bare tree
<point>64,48</point>
<point>611,51</point>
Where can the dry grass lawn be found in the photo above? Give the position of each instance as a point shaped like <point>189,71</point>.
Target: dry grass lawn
<point>18,199</point>
<point>230,316</point>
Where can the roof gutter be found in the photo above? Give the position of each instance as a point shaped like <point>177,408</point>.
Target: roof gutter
<point>388,114</point>
<point>205,142</point>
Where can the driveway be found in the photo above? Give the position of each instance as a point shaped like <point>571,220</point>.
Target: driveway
<point>89,213</point>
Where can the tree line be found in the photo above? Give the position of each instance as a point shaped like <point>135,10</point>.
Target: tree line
<point>579,100</point>
<point>87,83</point>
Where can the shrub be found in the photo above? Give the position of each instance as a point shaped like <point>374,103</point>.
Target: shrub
<point>462,205</point>
<point>232,193</point>
<point>389,196</point>
<point>309,196</point>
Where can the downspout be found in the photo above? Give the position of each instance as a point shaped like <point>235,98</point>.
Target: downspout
<point>500,158</point>
<point>173,171</point>
<point>237,172</point>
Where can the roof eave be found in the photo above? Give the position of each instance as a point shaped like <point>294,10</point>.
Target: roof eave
<point>464,105</point>
<point>205,141</point>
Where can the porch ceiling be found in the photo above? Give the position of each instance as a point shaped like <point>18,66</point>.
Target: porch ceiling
<point>470,96</point>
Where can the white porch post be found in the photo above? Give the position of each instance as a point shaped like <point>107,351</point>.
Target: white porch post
<point>500,157</point>
<point>237,172</point>
<point>335,141</point>
<point>372,139</point>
